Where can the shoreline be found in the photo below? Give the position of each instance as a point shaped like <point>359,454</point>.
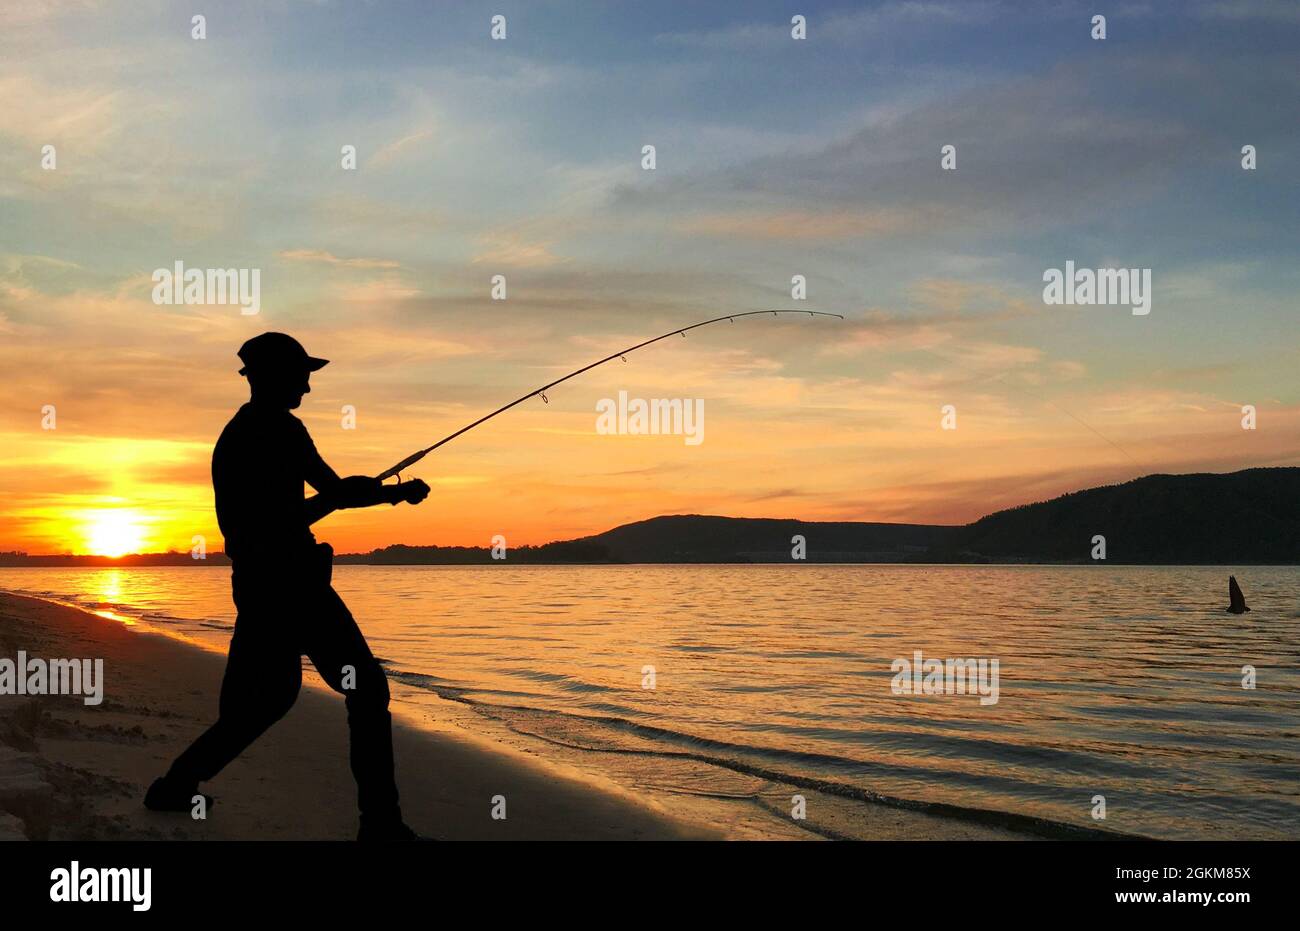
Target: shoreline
<point>69,771</point>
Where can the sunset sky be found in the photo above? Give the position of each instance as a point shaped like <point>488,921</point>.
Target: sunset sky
<point>522,158</point>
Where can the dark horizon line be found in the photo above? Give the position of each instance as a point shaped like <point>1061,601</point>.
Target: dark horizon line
<point>471,546</point>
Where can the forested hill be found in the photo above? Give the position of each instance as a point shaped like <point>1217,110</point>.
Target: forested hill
<point>1252,516</point>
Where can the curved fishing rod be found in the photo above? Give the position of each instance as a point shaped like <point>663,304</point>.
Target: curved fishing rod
<point>416,457</point>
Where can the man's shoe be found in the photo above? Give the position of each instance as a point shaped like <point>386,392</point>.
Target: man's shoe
<point>388,832</point>
<point>164,795</point>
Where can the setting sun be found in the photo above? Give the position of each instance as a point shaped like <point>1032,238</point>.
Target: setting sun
<point>114,533</point>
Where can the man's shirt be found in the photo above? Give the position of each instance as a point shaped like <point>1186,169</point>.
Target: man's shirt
<point>259,466</point>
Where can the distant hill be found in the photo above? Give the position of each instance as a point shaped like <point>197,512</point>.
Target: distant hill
<point>1252,516</point>
<point>559,553</point>
<point>699,538</point>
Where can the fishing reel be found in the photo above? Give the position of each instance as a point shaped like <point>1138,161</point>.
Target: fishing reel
<point>410,492</point>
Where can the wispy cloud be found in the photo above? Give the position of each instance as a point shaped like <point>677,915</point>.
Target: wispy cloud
<point>839,28</point>
<point>512,251</point>
<point>398,147</point>
<point>321,256</point>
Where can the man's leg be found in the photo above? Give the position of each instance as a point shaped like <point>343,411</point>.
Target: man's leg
<point>261,683</point>
<point>340,654</point>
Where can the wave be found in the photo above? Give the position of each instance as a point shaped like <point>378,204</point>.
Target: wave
<point>668,743</point>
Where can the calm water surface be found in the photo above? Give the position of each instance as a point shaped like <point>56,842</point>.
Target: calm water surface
<point>1117,681</point>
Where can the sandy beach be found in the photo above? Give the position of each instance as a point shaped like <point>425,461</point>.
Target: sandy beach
<point>70,771</point>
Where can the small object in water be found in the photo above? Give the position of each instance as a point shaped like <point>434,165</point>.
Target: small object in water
<point>1237,599</point>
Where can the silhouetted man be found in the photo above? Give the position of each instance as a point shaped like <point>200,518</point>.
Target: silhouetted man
<point>281,582</point>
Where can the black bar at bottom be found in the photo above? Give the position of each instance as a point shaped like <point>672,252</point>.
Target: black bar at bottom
<point>647,882</point>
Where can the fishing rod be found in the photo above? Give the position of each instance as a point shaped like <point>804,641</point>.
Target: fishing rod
<point>541,392</point>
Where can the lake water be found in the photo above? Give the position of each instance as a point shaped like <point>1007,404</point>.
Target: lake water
<point>1124,682</point>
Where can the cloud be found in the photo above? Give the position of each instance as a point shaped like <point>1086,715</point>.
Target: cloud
<point>395,148</point>
<point>952,311</point>
<point>317,255</point>
<point>15,265</point>
<point>376,291</point>
<point>1275,11</point>
<point>802,224</point>
<point>29,13</point>
<point>512,251</point>
<point>853,27</point>
<point>1038,152</point>
<point>84,119</point>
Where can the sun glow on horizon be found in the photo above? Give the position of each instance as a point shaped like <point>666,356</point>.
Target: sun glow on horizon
<point>114,532</point>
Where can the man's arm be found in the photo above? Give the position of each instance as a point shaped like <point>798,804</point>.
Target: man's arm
<point>321,477</point>
<point>362,491</point>
<point>315,469</point>
<point>317,506</point>
<point>355,491</point>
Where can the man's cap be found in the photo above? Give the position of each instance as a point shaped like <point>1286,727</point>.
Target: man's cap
<point>272,351</point>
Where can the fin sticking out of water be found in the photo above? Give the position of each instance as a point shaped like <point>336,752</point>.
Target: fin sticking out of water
<point>1235,597</point>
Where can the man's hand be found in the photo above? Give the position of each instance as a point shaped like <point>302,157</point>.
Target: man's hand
<point>412,492</point>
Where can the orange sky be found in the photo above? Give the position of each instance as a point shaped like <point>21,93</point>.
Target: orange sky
<point>127,466</point>
<point>474,163</point>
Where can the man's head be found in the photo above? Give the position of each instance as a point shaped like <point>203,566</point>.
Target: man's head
<point>277,368</point>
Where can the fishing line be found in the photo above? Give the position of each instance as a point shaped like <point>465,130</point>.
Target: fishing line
<point>621,354</point>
